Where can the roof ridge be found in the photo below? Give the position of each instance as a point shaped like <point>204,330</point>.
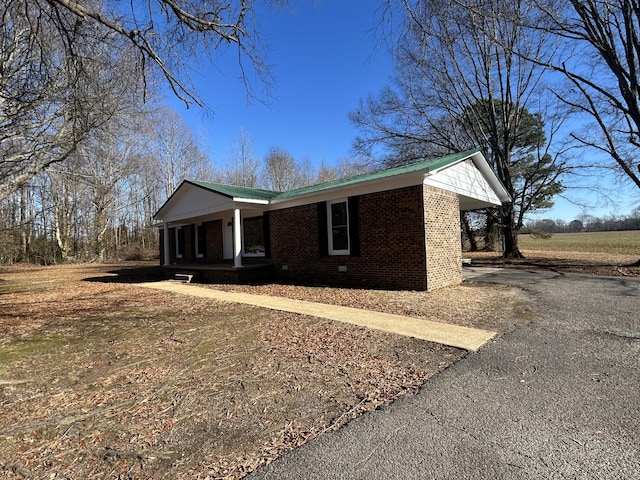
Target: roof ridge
<point>232,191</point>
<point>231,185</point>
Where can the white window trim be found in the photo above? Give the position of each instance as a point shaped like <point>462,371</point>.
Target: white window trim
<point>177,242</point>
<point>346,251</point>
<point>245,254</point>
<point>196,242</point>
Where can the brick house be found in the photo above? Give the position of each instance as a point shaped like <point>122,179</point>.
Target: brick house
<point>393,229</point>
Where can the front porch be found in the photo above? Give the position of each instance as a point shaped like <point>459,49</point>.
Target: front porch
<point>223,272</point>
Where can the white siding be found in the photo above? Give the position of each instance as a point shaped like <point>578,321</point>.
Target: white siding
<point>191,201</point>
<point>468,182</point>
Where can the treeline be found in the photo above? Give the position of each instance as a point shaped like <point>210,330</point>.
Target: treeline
<point>98,204</point>
<point>87,152</point>
<point>586,223</point>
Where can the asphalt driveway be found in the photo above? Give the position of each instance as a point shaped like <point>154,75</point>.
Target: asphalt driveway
<point>557,397</point>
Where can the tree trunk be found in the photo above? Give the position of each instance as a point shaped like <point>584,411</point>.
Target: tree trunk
<point>510,233</point>
<point>490,227</point>
<point>473,245</point>
<point>24,230</point>
<point>62,229</point>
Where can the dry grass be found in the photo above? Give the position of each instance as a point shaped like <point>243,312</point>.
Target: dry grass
<point>607,245</point>
<point>108,380</point>
<point>599,253</point>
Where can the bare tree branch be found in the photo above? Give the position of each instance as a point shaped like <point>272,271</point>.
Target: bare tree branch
<point>602,65</point>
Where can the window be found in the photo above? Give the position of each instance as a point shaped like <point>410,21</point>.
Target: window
<point>253,237</point>
<point>200,242</point>
<point>338,219</point>
<point>179,241</point>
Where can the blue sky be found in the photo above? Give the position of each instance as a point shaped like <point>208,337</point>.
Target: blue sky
<point>324,60</point>
<point>324,57</point>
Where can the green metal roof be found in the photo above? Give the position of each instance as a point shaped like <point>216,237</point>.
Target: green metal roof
<point>233,191</point>
<point>425,166</point>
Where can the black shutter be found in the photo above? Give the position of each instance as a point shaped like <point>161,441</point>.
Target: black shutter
<point>266,227</point>
<point>354,226</point>
<point>323,233</point>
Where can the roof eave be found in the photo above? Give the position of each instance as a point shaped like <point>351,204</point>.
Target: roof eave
<point>156,215</point>
<point>481,163</point>
<point>414,178</point>
<point>251,200</point>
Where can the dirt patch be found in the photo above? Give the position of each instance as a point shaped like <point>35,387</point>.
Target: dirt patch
<point>109,380</point>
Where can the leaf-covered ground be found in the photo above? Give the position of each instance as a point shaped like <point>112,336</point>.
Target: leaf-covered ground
<point>108,380</point>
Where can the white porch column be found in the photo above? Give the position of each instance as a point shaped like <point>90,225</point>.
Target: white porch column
<point>237,239</point>
<point>165,253</point>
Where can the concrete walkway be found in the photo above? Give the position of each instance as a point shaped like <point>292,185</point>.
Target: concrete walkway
<point>444,333</point>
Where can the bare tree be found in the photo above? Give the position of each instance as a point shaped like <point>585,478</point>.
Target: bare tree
<point>343,169</point>
<point>242,167</point>
<point>60,59</point>
<point>458,88</point>
<point>174,152</point>
<point>282,172</point>
<point>70,208</point>
<point>601,61</point>
<point>468,232</point>
<point>165,33</point>
<point>51,95</point>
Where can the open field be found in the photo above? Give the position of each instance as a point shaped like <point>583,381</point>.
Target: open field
<point>586,251</point>
<point>606,243</point>
<point>599,253</point>
<point>102,379</point>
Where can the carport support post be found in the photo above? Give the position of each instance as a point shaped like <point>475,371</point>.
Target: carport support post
<point>237,239</point>
<point>165,252</point>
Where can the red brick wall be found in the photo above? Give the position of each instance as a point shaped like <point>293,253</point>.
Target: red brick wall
<point>443,241</point>
<point>392,244</point>
<point>409,240</point>
<point>213,238</point>
<point>294,241</point>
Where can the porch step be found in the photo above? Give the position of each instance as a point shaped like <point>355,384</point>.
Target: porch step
<point>183,277</point>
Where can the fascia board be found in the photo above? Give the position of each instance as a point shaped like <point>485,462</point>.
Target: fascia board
<point>170,201</point>
<point>253,201</point>
<point>489,174</point>
<point>342,191</point>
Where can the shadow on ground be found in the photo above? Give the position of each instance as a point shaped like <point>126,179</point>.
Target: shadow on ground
<point>560,266</point>
<point>131,275</point>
